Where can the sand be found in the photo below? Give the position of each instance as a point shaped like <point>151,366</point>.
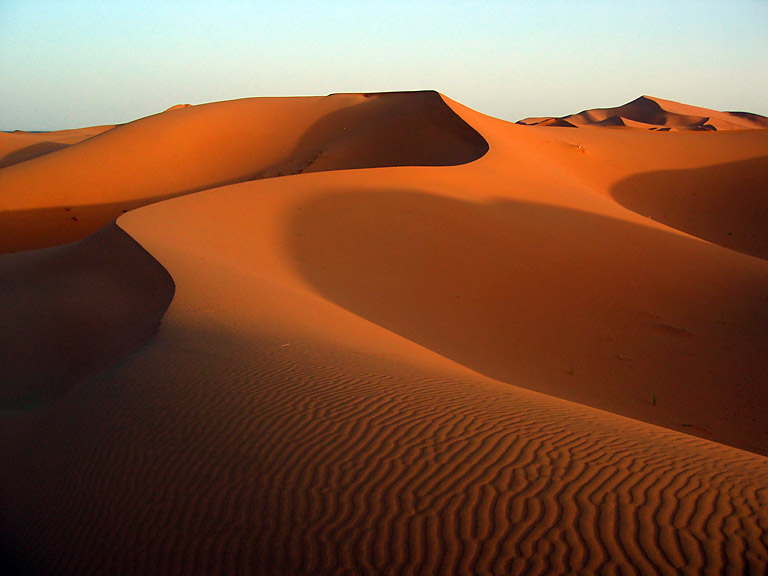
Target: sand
<point>20,146</point>
<point>396,336</point>
<point>651,113</point>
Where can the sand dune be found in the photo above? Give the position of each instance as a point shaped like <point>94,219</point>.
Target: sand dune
<point>20,146</point>
<point>178,107</point>
<point>650,113</point>
<point>405,338</point>
<point>52,199</point>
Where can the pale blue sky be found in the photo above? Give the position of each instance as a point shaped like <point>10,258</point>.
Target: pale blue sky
<point>69,64</point>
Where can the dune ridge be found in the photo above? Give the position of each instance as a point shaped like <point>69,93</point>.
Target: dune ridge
<point>51,200</point>
<point>651,113</point>
<point>372,370</point>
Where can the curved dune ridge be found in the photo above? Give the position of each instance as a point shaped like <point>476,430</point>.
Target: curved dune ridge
<point>650,113</point>
<point>405,338</point>
<point>65,196</point>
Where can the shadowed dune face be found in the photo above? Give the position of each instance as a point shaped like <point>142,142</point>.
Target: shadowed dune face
<point>29,152</point>
<point>420,130</point>
<point>26,229</point>
<point>16,147</point>
<point>726,204</point>
<point>555,299</point>
<point>71,311</point>
<point>201,147</point>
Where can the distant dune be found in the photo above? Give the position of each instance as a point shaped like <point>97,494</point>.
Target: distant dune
<point>385,334</point>
<point>19,146</point>
<point>178,106</point>
<point>650,113</point>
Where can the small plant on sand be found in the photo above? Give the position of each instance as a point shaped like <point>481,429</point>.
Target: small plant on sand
<point>653,398</point>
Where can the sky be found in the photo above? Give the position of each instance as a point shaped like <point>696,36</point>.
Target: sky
<point>67,64</point>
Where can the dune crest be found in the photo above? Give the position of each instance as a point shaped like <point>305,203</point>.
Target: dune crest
<point>177,107</point>
<point>650,113</point>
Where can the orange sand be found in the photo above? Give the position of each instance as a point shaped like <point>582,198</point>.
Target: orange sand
<point>649,113</point>
<point>406,338</point>
<point>20,146</point>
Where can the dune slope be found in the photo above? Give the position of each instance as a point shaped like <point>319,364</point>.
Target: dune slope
<point>494,364</point>
<point>20,146</point>
<point>70,311</point>
<point>726,204</point>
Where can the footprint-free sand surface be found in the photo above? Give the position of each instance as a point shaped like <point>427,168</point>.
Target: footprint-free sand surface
<point>385,334</point>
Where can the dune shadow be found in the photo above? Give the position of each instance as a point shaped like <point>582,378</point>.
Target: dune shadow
<point>412,128</point>
<point>726,204</point>
<point>385,130</point>
<point>22,230</point>
<point>568,303</point>
<point>69,312</point>
<point>30,152</point>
